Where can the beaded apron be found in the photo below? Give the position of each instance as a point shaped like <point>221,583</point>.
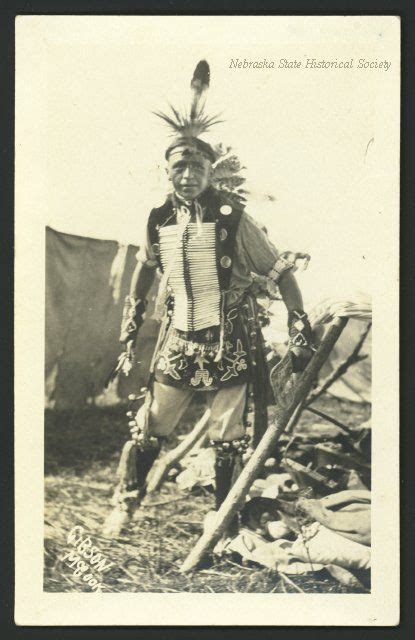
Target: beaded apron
<point>183,362</point>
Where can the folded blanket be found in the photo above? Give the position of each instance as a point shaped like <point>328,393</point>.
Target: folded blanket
<point>347,513</point>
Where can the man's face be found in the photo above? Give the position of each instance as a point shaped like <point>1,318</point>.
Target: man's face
<point>189,173</point>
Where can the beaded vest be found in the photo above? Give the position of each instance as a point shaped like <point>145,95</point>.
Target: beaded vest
<point>196,258</point>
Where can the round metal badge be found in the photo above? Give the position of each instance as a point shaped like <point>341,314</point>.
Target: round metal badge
<point>225,262</point>
<point>225,210</point>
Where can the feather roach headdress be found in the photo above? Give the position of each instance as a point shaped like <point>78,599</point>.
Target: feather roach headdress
<point>187,127</point>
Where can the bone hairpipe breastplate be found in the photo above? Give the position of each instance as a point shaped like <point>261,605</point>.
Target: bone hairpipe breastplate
<point>193,274</point>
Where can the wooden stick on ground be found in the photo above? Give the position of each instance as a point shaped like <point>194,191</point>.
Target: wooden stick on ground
<point>335,375</point>
<point>342,368</point>
<point>172,457</point>
<point>238,492</point>
<point>290,582</point>
<point>325,416</point>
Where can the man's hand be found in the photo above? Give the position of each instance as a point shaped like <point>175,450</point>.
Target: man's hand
<point>301,358</point>
<point>297,256</point>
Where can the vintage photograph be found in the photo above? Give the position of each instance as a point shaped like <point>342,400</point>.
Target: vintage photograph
<point>216,205</point>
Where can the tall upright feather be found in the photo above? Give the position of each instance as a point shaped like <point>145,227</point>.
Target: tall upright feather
<point>195,122</point>
<point>199,85</point>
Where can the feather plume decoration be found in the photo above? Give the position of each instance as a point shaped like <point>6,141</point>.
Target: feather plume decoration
<point>195,122</point>
<point>227,176</point>
<point>199,85</point>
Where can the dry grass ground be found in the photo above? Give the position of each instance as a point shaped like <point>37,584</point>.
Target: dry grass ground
<point>81,454</point>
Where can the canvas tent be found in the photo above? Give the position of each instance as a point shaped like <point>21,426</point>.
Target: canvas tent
<point>86,283</point>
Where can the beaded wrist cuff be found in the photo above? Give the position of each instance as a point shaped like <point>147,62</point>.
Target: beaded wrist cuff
<point>299,329</point>
<point>133,315</point>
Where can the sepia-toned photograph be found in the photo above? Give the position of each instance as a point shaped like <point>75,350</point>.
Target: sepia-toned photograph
<point>207,213</point>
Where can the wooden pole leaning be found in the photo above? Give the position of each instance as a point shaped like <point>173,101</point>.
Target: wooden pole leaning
<point>236,496</point>
<point>175,455</point>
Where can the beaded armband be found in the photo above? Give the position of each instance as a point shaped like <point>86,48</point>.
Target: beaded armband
<point>281,265</point>
<point>299,329</point>
<point>231,447</point>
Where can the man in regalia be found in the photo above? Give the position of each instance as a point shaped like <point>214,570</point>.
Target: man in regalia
<point>207,249</point>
